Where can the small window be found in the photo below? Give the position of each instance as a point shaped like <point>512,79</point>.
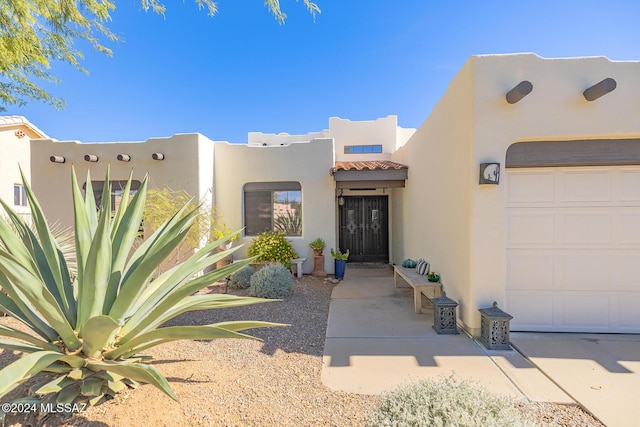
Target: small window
<point>273,206</point>
<point>19,195</point>
<point>362,149</point>
<point>117,188</point>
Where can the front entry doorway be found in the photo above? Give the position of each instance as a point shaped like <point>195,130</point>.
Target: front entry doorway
<point>364,228</point>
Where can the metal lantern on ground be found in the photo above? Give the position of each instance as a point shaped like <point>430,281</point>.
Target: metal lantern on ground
<point>494,328</point>
<point>444,315</point>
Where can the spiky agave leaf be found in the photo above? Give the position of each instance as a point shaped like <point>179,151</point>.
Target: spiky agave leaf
<point>91,331</point>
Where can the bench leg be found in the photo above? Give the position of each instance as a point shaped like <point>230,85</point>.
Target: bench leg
<point>417,300</point>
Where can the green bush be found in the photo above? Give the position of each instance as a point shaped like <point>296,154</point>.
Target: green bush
<point>90,329</point>
<point>447,402</point>
<point>272,281</point>
<point>271,246</point>
<point>241,278</point>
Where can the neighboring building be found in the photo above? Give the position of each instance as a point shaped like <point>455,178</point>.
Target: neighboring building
<point>555,243</point>
<point>15,134</point>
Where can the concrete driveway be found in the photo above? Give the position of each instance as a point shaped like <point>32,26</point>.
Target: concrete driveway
<point>375,342</point>
<point>599,371</point>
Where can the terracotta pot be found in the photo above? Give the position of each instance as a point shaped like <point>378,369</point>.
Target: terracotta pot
<point>317,252</point>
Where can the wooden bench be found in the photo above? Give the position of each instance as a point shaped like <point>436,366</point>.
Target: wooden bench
<point>420,284</point>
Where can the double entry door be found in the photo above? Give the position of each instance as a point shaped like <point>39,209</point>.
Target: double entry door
<point>364,228</point>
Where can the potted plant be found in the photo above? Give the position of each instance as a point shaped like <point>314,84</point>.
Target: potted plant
<point>340,262</point>
<point>318,246</point>
<point>222,230</point>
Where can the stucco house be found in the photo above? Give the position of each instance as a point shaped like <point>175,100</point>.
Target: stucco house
<point>521,187</point>
<point>15,134</point>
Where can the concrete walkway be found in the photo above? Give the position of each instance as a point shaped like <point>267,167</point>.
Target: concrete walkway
<point>376,342</point>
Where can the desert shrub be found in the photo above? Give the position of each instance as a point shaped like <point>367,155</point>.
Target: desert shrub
<point>272,281</point>
<point>447,402</point>
<point>241,279</point>
<point>90,328</point>
<point>271,246</point>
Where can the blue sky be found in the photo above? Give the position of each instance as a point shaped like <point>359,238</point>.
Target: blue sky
<point>240,71</point>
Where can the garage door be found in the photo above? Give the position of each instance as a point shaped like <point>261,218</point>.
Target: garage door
<point>573,249</point>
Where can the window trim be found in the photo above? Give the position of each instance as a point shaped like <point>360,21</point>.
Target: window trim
<point>363,149</point>
<point>22,196</point>
<point>268,186</point>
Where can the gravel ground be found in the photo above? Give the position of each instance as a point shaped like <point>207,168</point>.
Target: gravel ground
<point>275,382</point>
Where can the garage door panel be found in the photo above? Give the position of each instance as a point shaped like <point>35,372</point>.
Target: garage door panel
<point>584,310</point>
<point>629,228</point>
<point>628,272</point>
<point>530,271</point>
<point>534,187</point>
<point>627,307</point>
<point>531,229</point>
<point>573,263</point>
<point>530,310</point>
<point>585,186</point>
<point>585,228</point>
<point>628,183</point>
<point>582,271</point>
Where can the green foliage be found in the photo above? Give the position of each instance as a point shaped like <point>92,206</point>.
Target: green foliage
<point>220,230</point>
<point>241,279</point>
<point>447,402</point>
<point>317,244</point>
<point>271,246</point>
<point>272,281</point>
<point>35,33</point>
<point>161,204</point>
<point>89,329</point>
<point>290,224</point>
<point>339,255</point>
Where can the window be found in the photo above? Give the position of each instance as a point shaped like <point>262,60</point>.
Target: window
<point>117,189</point>
<point>362,149</point>
<point>19,195</point>
<point>273,206</point>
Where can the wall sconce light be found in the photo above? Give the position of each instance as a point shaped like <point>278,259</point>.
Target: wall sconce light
<point>157,156</point>
<point>523,89</point>
<point>340,198</point>
<point>90,158</point>
<point>57,159</point>
<point>489,173</point>
<point>599,89</point>
<point>124,157</point>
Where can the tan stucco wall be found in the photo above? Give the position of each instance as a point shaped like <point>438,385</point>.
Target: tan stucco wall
<point>459,225</point>
<point>432,217</point>
<point>555,110</point>
<point>307,163</point>
<point>383,131</point>
<point>15,154</point>
<point>184,167</point>
<point>259,138</point>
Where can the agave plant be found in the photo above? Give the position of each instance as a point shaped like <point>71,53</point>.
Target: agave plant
<point>90,328</point>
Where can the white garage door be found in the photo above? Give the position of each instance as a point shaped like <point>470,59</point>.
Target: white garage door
<point>573,249</point>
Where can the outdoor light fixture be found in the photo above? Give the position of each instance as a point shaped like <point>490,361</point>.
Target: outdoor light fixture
<point>489,173</point>
<point>57,159</point>
<point>157,156</point>
<point>599,89</point>
<point>523,89</point>
<point>124,157</point>
<point>340,198</point>
<point>90,158</point>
